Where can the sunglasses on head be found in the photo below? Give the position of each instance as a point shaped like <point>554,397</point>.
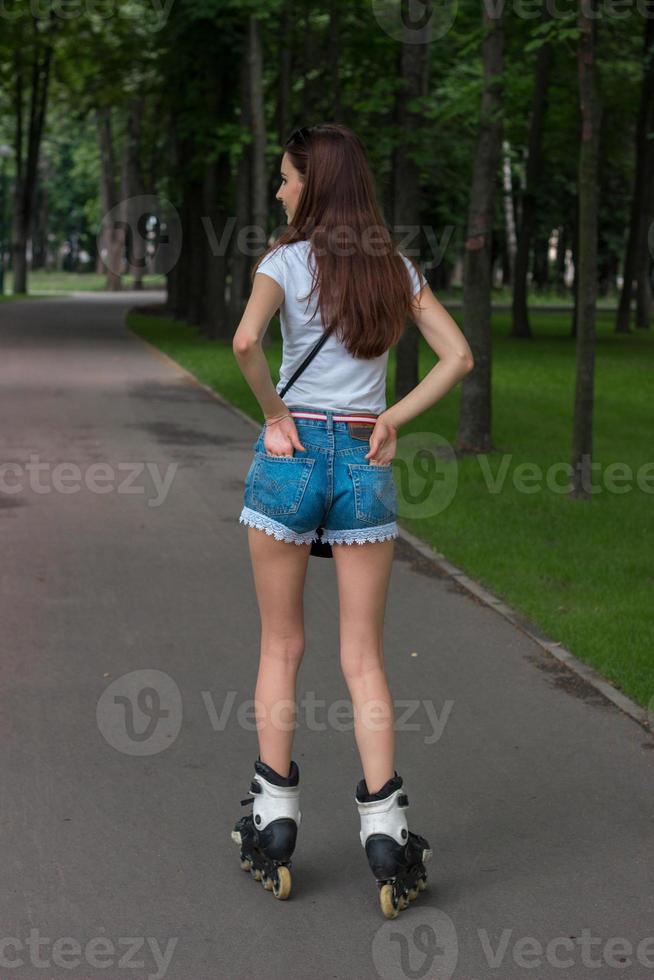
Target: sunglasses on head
<point>302,134</point>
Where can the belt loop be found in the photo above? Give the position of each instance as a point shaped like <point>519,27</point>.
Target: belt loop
<point>330,421</point>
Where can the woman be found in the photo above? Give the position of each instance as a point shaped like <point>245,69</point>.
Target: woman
<point>323,459</point>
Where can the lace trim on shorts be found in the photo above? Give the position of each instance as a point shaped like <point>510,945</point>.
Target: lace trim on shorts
<point>282,533</point>
<point>362,534</point>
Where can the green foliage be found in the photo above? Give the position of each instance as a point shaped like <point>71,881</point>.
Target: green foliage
<point>186,67</point>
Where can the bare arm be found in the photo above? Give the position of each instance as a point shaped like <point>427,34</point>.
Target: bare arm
<point>455,360</point>
<point>265,299</point>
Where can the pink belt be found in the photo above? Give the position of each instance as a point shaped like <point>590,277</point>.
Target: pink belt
<point>337,418</point>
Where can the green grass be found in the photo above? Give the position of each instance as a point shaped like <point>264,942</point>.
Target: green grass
<point>582,570</point>
<point>537,297</point>
<point>53,281</point>
<point>45,282</point>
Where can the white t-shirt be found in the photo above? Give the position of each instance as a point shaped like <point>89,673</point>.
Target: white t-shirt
<point>334,379</point>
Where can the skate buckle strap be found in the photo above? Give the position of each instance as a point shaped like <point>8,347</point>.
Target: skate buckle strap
<point>254,789</point>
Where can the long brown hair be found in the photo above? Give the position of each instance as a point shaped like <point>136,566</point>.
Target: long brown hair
<point>365,289</point>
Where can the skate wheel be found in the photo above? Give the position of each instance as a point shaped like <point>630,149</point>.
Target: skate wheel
<point>256,874</point>
<point>402,902</point>
<point>422,883</point>
<point>388,901</point>
<point>413,894</point>
<point>282,886</point>
<point>267,883</point>
<point>245,864</point>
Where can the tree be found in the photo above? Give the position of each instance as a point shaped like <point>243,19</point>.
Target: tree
<point>520,326</point>
<point>33,45</point>
<point>634,267</point>
<point>582,437</point>
<point>413,68</point>
<point>474,433</point>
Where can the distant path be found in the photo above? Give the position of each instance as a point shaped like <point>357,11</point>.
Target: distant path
<point>537,794</point>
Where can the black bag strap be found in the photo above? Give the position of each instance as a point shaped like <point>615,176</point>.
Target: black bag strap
<point>310,356</point>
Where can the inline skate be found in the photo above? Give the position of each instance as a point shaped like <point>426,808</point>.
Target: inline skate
<point>394,853</point>
<point>267,836</point>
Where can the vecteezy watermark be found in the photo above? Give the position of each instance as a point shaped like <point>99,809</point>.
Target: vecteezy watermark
<point>426,472</point>
<point>422,945</point>
<point>415,22</point>
<point>344,240</point>
<point>424,21</point>
<point>425,945</point>
<point>151,14</point>
<point>140,713</point>
<point>339,715</point>
<point>564,10</point>
<point>566,952</point>
<point>616,477</point>
<point>98,477</point>
<point>140,233</point>
<point>97,953</point>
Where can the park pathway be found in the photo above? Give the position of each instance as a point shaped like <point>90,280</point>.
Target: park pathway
<point>129,634</point>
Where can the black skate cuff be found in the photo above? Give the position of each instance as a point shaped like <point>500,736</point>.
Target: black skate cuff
<point>363,796</point>
<point>274,777</point>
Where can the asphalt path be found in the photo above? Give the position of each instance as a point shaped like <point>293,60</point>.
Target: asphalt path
<point>130,634</point>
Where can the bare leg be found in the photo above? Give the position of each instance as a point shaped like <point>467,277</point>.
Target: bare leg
<point>279,570</point>
<point>363,574</point>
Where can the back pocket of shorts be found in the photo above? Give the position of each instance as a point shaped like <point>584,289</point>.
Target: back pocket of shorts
<point>375,493</point>
<point>278,483</point>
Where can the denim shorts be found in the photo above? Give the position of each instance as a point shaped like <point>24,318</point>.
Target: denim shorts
<point>328,485</point>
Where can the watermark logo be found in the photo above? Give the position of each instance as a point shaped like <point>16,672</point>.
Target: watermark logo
<point>140,233</point>
<point>141,712</point>
<point>424,944</point>
<point>415,21</point>
<point>67,477</point>
<point>97,953</point>
<point>149,15</point>
<point>426,472</point>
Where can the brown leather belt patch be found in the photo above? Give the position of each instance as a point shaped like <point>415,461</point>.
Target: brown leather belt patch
<point>360,430</point>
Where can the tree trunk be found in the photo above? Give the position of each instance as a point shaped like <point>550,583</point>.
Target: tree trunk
<point>509,244</point>
<point>334,60</point>
<point>27,163</point>
<point>133,193</point>
<point>216,178</point>
<point>238,260</point>
<point>559,262</point>
<point>41,221</point>
<point>259,174</point>
<point>406,196</point>
<point>521,326</point>
<point>574,247</point>
<point>113,229</point>
<point>646,251</point>
<point>284,101</point>
<point>194,233</point>
<point>582,436</point>
<point>639,201</point>
<point>173,274</point>
<point>474,433</point>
